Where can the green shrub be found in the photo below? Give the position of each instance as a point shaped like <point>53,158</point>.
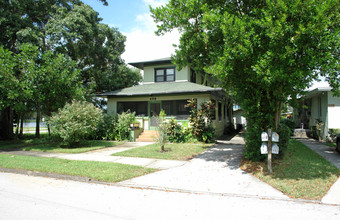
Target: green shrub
<point>284,137</point>
<point>175,132</point>
<point>200,120</point>
<point>123,125</point>
<point>76,121</point>
<point>290,123</point>
<point>333,133</point>
<point>107,129</point>
<point>253,144</point>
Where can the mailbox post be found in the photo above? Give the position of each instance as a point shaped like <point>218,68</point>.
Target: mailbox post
<point>269,151</point>
<point>268,147</point>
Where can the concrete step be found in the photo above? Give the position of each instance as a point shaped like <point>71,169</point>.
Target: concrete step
<point>147,136</point>
<point>145,140</point>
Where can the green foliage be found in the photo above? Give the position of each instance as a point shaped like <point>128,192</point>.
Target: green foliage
<point>107,128</point>
<point>200,120</point>
<point>285,133</point>
<point>264,51</point>
<point>123,125</point>
<point>333,133</point>
<point>162,129</point>
<point>290,123</point>
<point>76,121</point>
<point>176,133</point>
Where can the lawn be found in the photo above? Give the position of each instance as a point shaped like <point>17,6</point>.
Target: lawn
<point>301,173</point>
<point>52,144</point>
<point>101,171</point>
<point>172,151</point>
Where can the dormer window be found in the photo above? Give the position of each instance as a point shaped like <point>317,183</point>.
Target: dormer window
<point>165,74</point>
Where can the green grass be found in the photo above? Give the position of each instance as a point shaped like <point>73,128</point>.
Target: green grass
<point>55,145</point>
<point>301,173</point>
<point>172,151</point>
<point>101,171</point>
<point>331,144</point>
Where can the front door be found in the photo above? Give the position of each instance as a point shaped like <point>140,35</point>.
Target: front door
<point>154,110</point>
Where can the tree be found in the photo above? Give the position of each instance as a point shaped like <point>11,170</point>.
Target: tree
<point>71,28</point>
<point>265,51</point>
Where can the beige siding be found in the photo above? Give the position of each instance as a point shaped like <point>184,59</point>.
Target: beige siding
<point>333,111</point>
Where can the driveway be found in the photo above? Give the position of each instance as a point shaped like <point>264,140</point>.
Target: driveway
<point>215,171</point>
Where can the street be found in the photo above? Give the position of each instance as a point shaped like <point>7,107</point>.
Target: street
<point>29,197</point>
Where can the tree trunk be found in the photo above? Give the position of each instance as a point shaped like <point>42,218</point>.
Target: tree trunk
<point>21,126</point>
<point>18,124</point>
<point>37,127</point>
<point>278,115</point>
<point>6,125</point>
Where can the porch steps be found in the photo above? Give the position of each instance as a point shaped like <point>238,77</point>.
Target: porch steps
<point>147,136</point>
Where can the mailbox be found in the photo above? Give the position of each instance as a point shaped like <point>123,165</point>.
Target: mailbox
<point>264,136</point>
<point>275,137</point>
<point>264,148</point>
<point>275,149</point>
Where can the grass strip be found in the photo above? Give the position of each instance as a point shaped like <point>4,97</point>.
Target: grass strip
<point>101,171</point>
<point>301,173</point>
<point>172,151</point>
<point>54,145</point>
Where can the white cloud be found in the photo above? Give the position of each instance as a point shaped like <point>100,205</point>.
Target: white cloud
<point>143,44</point>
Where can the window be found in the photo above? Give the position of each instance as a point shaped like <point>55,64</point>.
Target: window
<point>165,74</point>
<point>176,108</point>
<point>141,108</point>
<point>320,107</point>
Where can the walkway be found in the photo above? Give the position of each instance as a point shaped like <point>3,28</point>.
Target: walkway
<point>333,195</point>
<point>104,155</point>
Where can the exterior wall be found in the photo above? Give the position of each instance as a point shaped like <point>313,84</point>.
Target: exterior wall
<point>144,121</point>
<point>180,75</point>
<point>333,111</point>
<point>315,109</point>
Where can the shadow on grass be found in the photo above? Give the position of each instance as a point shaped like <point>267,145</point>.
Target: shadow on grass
<point>302,163</point>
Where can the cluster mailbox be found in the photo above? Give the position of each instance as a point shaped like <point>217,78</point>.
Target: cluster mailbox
<point>265,139</point>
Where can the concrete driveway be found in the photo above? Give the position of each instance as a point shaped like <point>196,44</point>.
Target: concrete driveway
<point>215,171</point>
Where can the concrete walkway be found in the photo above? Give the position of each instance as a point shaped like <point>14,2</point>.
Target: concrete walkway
<point>104,155</point>
<point>333,195</point>
<point>215,171</point>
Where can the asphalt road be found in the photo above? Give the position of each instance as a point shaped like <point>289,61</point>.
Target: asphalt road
<point>28,197</point>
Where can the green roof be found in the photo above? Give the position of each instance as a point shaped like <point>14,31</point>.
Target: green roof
<point>164,88</point>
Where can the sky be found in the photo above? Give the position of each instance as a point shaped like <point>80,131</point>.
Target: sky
<point>132,18</point>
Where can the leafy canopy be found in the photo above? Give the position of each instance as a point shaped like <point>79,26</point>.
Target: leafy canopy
<point>264,51</point>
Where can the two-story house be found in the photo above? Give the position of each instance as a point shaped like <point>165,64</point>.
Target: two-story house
<point>165,87</point>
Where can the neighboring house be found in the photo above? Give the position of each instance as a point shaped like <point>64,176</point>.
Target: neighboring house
<point>165,87</point>
<point>321,112</point>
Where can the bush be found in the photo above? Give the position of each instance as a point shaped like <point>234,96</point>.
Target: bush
<point>284,137</point>
<point>76,121</point>
<point>115,127</point>
<point>107,128</point>
<point>123,125</point>
<point>290,123</point>
<point>200,120</point>
<point>175,132</point>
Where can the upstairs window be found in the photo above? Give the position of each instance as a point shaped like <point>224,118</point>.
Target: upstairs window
<point>165,74</point>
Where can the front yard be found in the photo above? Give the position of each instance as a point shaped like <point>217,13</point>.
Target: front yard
<point>101,171</point>
<point>172,151</point>
<point>54,145</point>
<point>302,173</point>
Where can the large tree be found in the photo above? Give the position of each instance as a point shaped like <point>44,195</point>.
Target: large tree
<point>71,28</point>
<point>265,51</point>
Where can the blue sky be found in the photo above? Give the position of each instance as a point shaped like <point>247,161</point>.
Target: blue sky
<point>132,18</point>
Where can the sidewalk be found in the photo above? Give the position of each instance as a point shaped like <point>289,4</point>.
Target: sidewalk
<point>104,155</point>
<point>333,195</point>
